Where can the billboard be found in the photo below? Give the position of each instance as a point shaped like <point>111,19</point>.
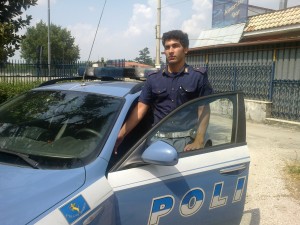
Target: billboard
<point>229,12</point>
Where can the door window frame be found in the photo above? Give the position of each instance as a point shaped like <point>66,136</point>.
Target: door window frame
<point>132,158</point>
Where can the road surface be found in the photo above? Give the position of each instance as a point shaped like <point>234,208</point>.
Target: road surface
<point>270,200</point>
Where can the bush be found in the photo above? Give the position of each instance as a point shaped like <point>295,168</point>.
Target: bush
<point>11,90</point>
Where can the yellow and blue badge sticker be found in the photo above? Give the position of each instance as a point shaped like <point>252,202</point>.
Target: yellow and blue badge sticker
<point>75,209</point>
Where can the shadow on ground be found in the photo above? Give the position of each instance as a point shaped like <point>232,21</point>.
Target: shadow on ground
<point>251,217</point>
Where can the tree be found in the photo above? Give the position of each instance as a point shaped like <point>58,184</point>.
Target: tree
<point>63,48</point>
<point>144,57</point>
<point>10,23</point>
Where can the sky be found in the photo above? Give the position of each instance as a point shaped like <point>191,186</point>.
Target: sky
<point>127,26</point>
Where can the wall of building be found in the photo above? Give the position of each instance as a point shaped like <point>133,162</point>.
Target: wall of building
<point>286,56</point>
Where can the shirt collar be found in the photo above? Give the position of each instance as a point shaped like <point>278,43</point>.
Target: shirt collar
<point>184,70</point>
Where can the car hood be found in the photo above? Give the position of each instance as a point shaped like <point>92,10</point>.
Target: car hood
<point>25,193</point>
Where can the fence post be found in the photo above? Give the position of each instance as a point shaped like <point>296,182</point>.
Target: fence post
<point>206,67</point>
<point>234,76</point>
<point>272,76</point>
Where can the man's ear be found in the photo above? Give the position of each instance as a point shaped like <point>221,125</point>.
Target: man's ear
<point>186,50</point>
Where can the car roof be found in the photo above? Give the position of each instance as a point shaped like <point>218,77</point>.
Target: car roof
<point>113,88</point>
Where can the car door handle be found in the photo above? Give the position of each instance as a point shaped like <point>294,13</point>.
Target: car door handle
<point>233,169</point>
<point>91,218</point>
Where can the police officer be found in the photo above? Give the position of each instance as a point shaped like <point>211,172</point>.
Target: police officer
<point>170,87</point>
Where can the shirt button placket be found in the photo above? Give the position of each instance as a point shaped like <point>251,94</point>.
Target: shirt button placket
<point>173,94</point>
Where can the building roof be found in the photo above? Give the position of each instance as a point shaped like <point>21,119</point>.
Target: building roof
<point>219,36</point>
<point>272,27</point>
<point>281,18</point>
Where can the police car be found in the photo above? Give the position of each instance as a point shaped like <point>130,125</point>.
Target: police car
<point>58,167</point>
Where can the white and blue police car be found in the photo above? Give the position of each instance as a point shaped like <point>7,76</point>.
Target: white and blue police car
<point>58,167</point>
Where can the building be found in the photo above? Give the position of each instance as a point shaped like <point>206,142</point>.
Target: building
<point>265,53</point>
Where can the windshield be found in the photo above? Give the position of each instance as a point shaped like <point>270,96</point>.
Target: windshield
<point>60,125</point>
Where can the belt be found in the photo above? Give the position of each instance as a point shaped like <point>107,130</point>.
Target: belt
<point>179,134</point>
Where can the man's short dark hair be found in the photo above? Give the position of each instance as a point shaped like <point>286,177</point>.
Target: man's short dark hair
<point>177,35</point>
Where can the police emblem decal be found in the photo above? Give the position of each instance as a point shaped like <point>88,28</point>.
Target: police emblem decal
<point>75,209</point>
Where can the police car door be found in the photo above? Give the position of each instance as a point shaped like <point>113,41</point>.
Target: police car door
<point>152,185</point>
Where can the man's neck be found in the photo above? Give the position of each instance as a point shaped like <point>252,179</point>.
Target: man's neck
<point>172,68</point>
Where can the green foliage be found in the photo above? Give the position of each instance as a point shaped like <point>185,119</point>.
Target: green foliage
<point>144,57</point>
<point>294,168</point>
<point>63,48</point>
<point>11,22</point>
<point>8,90</point>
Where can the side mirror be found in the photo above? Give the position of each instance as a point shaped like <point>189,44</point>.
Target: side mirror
<point>160,153</point>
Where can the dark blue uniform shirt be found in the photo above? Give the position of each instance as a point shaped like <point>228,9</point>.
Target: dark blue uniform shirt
<point>164,92</point>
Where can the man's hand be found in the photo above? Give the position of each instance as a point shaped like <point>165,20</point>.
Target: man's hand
<point>193,146</point>
<point>135,117</point>
<point>118,142</point>
<point>203,115</point>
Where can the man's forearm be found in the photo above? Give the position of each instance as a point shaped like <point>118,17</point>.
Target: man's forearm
<point>203,118</point>
<point>135,117</point>
<point>204,115</point>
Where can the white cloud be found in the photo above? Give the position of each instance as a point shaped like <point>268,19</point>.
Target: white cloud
<point>140,21</point>
<point>84,34</point>
<point>92,9</point>
<point>202,5</point>
<point>170,19</point>
<point>199,20</point>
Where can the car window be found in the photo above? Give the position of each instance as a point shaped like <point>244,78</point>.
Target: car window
<point>134,136</point>
<point>57,124</point>
<point>181,128</point>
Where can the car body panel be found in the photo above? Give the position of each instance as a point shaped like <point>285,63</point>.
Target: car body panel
<point>115,88</point>
<point>139,187</point>
<point>27,191</point>
<point>205,186</point>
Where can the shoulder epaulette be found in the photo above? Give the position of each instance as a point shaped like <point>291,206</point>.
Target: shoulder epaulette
<point>202,70</point>
<point>152,72</point>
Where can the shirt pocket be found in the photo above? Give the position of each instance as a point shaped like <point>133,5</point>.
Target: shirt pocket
<point>159,94</point>
<point>188,91</point>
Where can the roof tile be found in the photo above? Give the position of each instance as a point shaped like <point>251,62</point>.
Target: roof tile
<point>275,19</point>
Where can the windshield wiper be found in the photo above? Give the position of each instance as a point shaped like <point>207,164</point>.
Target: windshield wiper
<point>23,156</point>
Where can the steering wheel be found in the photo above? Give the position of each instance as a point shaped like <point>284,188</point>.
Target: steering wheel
<point>89,131</point>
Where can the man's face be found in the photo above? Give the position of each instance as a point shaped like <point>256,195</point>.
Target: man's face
<point>174,51</point>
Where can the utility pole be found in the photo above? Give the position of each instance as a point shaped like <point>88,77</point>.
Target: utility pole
<point>49,42</point>
<point>157,31</point>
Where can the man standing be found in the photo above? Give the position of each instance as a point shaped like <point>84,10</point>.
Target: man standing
<point>170,87</point>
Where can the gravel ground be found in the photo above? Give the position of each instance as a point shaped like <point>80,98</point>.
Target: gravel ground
<point>272,197</point>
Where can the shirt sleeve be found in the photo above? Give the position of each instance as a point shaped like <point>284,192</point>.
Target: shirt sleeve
<point>206,87</point>
<point>146,94</point>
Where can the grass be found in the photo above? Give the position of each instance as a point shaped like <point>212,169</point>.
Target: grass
<point>293,178</point>
<point>293,168</point>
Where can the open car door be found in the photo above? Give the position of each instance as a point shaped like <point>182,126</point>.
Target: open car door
<point>158,183</point>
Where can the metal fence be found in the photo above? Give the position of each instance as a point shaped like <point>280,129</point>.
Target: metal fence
<point>268,72</point>
<point>286,100</point>
<point>21,68</point>
<point>255,80</point>
<point>258,83</point>
<point>22,72</point>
